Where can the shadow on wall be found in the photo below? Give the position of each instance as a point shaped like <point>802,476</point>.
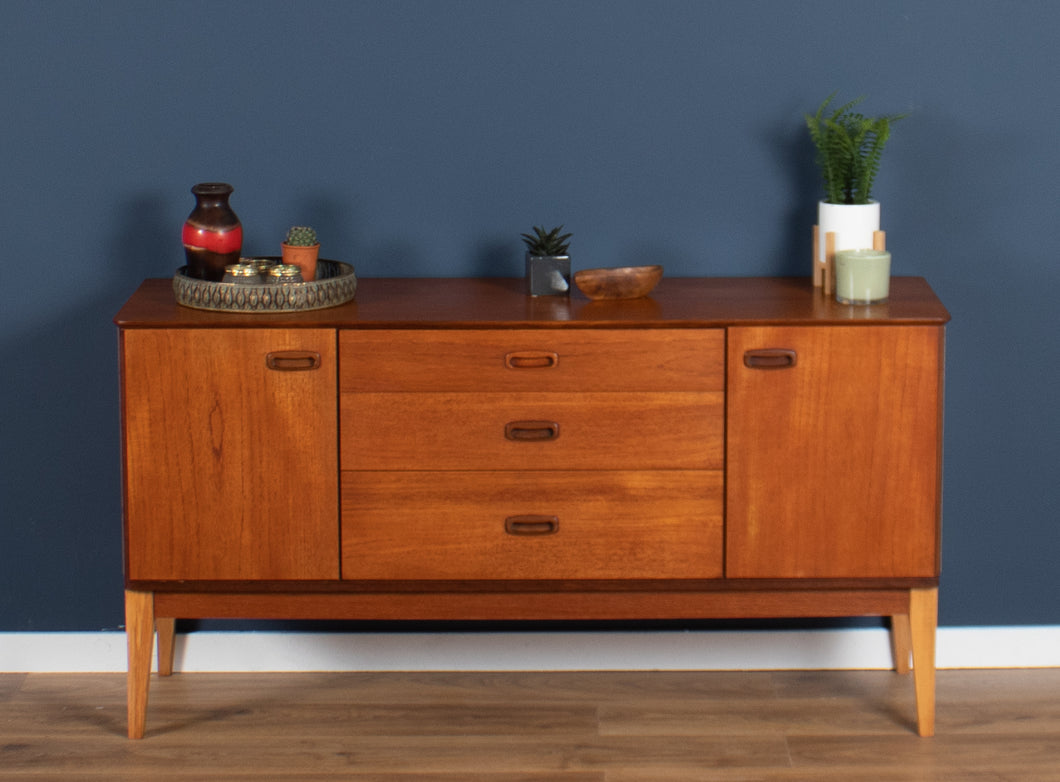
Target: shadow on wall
<point>794,155</point>
<point>498,258</point>
<point>538,626</point>
<point>60,462</point>
<point>329,213</point>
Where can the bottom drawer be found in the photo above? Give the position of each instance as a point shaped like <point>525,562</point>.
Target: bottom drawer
<point>532,525</point>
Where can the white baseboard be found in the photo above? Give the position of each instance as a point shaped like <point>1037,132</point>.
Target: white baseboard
<point>834,649</point>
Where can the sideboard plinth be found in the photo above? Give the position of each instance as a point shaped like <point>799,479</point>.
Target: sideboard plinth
<point>912,612</point>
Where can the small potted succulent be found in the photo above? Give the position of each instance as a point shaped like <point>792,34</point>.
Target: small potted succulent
<point>547,261</point>
<point>301,248</point>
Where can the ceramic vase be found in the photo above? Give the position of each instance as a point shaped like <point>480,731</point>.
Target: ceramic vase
<point>213,235</point>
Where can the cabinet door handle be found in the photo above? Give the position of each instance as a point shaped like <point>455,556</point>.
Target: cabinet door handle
<point>292,360</point>
<point>531,525</point>
<point>529,431</point>
<point>531,359</point>
<point>770,358</point>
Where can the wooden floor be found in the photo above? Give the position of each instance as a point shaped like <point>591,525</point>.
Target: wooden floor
<point>534,727</point>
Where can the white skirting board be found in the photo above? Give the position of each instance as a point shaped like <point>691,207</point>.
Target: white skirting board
<point>831,649</point>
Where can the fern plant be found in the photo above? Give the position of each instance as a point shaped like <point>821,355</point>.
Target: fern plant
<point>545,243</point>
<point>849,146</point>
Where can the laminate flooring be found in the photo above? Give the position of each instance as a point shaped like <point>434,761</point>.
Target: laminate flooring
<point>822,726</point>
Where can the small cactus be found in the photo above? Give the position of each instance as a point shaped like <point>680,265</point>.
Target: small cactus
<point>546,243</point>
<point>301,236</point>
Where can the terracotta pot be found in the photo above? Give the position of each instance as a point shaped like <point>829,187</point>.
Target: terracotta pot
<point>305,258</point>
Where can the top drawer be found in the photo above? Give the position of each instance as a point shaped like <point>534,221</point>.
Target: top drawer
<point>532,360</point>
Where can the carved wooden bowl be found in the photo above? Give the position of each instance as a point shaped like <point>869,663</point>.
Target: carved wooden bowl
<point>623,282</point>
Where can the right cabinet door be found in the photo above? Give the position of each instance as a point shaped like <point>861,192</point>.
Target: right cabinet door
<point>833,451</point>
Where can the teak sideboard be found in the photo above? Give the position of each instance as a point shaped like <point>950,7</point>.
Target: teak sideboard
<point>453,449</point>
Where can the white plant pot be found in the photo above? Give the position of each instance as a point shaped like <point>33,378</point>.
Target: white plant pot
<point>853,225</point>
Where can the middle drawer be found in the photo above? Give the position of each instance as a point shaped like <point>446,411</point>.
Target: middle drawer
<point>532,431</point>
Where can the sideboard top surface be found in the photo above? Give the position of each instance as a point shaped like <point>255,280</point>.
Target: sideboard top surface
<point>502,302</point>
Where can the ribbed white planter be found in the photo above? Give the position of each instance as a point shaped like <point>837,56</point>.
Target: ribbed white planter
<point>853,225</point>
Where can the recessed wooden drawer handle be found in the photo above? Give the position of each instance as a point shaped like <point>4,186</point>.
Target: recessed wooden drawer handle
<point>531,359</point>
<point>770,358</point>
<point>526,431</point>
<point>531,525</point>
<point>292,360</point>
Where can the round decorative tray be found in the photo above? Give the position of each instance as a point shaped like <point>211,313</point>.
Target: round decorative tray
<point>335,284</point>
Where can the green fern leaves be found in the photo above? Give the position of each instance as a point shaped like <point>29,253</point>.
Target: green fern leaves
<point>849,147</point>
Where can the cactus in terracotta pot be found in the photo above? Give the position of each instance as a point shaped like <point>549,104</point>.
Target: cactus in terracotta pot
<point>301,236</point>
<point>301,248</point>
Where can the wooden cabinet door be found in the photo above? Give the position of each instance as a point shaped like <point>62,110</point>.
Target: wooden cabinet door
<point>231,454</point>
<point>833,460</point>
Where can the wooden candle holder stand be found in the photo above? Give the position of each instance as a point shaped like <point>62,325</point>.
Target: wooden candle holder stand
<point>824,273</point>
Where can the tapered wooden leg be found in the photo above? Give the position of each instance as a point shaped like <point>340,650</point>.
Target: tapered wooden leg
<point>140,633</point>
<point>901,645</point>
<point>166,639</point>
<point>923,622</point>
<point>829,260</point>
<point>818,267</point>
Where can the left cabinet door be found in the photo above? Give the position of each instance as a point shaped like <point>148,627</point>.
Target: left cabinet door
<point>231,454</point>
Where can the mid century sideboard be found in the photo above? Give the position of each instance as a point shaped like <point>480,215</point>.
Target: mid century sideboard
<point>445,449</point>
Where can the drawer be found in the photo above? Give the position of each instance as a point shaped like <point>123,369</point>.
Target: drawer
<point>532,360</point>
<point>541,525</point>
<point>527,431</point>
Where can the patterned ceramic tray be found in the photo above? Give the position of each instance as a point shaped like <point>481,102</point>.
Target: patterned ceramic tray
<point>335,284</point>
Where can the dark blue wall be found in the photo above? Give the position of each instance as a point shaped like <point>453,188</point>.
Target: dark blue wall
<point>421,136</point>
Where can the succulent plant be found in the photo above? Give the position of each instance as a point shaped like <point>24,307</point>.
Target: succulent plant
<point>544,243</point>
<point>849,146</point>
<point>301,236</point>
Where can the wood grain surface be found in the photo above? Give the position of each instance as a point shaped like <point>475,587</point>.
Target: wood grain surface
<point>849,726</point>
<point>234,472</point>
